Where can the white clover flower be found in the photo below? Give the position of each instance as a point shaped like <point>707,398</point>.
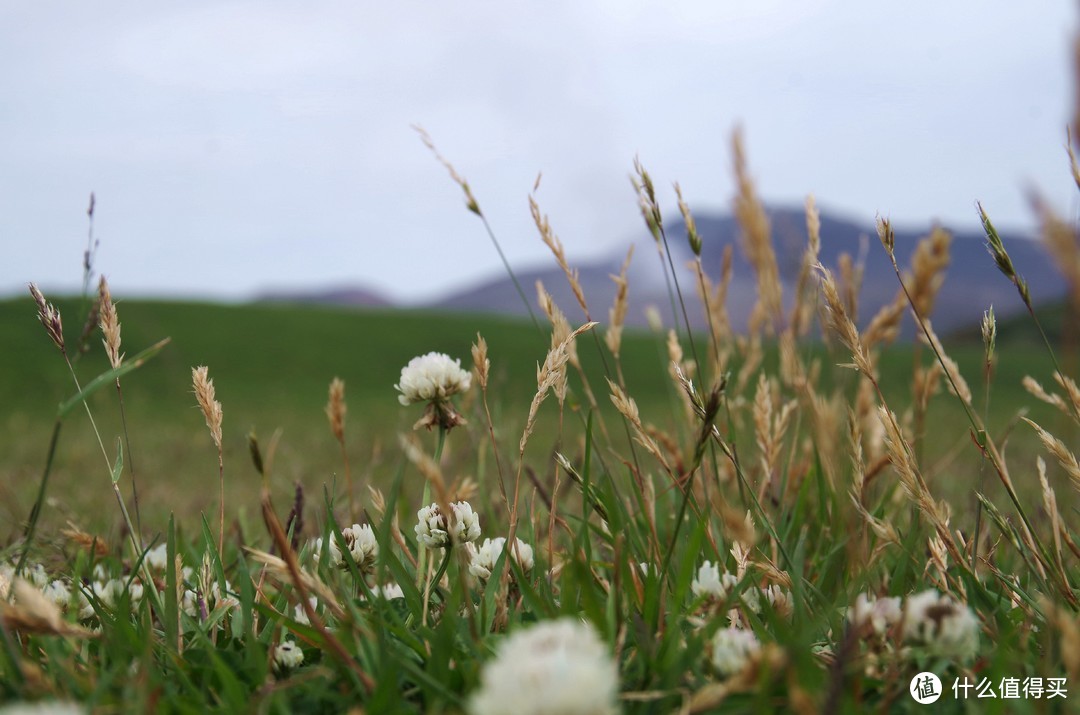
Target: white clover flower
<point>334,552</point>
<point>362,545</point>
<point>7,573</point>
<point>432,377</point>
<point>946,626</point>
<point>108,592</point>
<point>482,560</point>
<point>219,599</point>
<point>359,540</point>
<point>300,614</point>
<point>779,599</point>
<point>58,593</point>
<point>732,649</point>
<point>710,582</point>
<point>389,591</point>
<point>551,668</point>
<point>157,557</point>
<point>432,530</point>
<point>879,614</point>
<point>189,604</point>
<point>288,655</point>
<point>35,574</point>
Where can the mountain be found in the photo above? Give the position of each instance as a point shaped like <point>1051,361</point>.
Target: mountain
<point>336,295</point>
<point>972,281</point>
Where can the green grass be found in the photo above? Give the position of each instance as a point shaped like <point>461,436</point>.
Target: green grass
<point>272,365</point>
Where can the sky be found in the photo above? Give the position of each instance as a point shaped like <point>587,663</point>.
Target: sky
<point>235,147</point>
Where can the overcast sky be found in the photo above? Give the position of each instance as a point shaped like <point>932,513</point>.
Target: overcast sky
<point>235,146</point>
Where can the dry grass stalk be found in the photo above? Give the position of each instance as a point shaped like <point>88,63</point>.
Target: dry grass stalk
<point>996,248</point>
<point>428,468</point>
<point>628,409</point>
<point>92,543</point>
<point>1072,390</point>
<point>757,240</point>
<point>957,383</point>
<point>752,354</point>
<point>939,562</point>
<point>211,408</point>
<point>560,326</point>
<point>1073,166</point>
<point>335,412</point>
<point>481,364</point>
<point>33,614</point>
<point>805,302</point>
<point>714,299</point>
<point>1050,505</point>
<point>850,280</point>
<point>873,434</point>
<point>1061,241</point>
<point>692,234</point>
<point>884,327</point>
<point>677,369</point>
<point>1064,456</point>
<point>1032,386</point>
<point>884,531</point>
<point>650,209</point>
<point>617,313</point>
<point>928,265</point>
<point>792,370</point>
<point>841,324</point>
<point>110,324</point>
<point>906,470</point>
<point>50,318</point>
<point>552,241</point>
<point>336,409</point>
<point>769,429</point>
<point>470,200</point>
<point>548,376</point>
<point>926,382</point>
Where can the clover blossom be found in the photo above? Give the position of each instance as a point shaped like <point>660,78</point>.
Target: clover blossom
<point>434,378</point>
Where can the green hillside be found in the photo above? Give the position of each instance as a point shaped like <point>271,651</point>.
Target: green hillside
<point>272,364</point>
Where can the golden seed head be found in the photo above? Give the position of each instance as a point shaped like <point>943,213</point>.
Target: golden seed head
<point>110,324</point>
<point>480,361</point>
<point>336,409</point>
<point>211,408</point>
<point>886,235</point>
<point>49,317</point>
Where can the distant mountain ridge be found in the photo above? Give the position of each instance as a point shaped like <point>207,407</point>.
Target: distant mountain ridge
<point>971,285</point>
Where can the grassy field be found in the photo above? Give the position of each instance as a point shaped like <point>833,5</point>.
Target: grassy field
<point>778,533</point>
<point>272,365</point>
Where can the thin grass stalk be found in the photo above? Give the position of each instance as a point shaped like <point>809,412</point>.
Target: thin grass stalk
<point>472,205</point>
<point>422,562</point>
<point>1005,265</point>
<point>981,436</point>
<point>39,503</point>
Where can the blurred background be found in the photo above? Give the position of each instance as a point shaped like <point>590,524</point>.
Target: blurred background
<point>239,149</point>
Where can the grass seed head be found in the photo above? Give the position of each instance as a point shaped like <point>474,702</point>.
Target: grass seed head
<point>110,324</point>
<point>336,409</point>
<point>211,408</point>
<point>49,317</point>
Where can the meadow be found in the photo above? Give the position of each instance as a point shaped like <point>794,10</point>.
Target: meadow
<point>491,516</point>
